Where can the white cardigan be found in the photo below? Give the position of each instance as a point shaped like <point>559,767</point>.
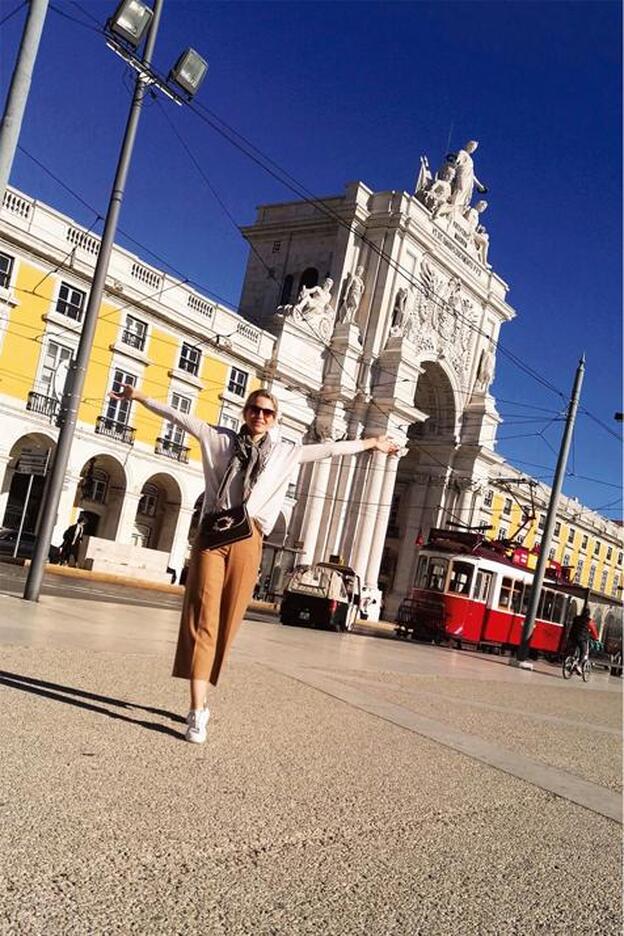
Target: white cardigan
<point>269,491</point>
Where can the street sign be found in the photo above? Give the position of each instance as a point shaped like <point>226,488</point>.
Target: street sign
<point>32,463</point>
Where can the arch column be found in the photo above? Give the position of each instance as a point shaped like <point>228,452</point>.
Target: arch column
<point>381,525</point>
<point>127,517</point>
<point>368,514</point>
<point>65,507</point>
<point>315,506</point>
<point>5,458</point>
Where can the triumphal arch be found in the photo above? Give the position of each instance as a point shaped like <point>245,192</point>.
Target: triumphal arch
<point>386,314</point>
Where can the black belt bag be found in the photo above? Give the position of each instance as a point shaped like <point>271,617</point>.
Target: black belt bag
<point>223,527</point>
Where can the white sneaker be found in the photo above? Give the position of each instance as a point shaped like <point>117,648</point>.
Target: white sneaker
<point>197,721</point>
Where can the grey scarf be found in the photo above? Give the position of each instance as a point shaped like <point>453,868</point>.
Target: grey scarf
<point>248,459</point>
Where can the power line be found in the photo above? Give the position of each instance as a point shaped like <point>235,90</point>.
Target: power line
<point>5,19</point>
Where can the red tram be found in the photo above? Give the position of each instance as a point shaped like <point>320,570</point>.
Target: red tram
<point>469,590</point>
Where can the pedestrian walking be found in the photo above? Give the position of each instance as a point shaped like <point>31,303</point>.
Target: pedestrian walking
<point>246,476</point>
<point>72,537</point>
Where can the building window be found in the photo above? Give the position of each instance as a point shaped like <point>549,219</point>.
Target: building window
<point>174,433</point>
<point>619,558</point>
<point>579,572</point>
<point>609,553</point>
<point>277,246</point>
<point>603,581</point>
<point>489,497</point>
<point>148,503</point>
<point>6,268</point>
<point>541,523</point>
<point>592,576</point>
<point>596,549</point>
<point>616,586</point>
<point>571,536</point>
<point>557,528</point>
<point>584,541</point>
<point>94,486</point>
<point>237,382</point>
<point>71,302</point>
<point>552,552</point>
<point>55,362</point>
<point>502,533</point>
<point>229,422</point>
<point>507,506</point>
<point>134,333</point>
<point>566,559</point>
<point>190,357</point>
<point>118,411</point>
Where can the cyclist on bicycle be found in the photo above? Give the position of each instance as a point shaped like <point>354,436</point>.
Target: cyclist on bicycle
<point>582,629</point>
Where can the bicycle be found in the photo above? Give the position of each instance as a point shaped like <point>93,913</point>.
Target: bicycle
<point>571,665</point>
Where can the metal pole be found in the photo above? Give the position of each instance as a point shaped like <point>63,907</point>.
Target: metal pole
<point>78,367</point>
<point>23,517</point>
<point>18,92</point>
<point>551,517</point>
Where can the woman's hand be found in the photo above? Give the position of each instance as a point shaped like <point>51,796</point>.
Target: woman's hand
<point>386,444</point>
<point>127,392</point>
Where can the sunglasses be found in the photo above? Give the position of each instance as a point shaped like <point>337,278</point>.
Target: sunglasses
<point>261,411</point>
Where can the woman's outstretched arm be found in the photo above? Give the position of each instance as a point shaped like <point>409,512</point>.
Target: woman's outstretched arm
<point>191,424</point>
<point>308,453</point>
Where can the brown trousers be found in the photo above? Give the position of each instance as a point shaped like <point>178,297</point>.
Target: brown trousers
<point>219,587</point>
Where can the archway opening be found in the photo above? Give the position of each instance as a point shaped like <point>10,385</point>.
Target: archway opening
<point>100,494</point>
<point>24,481</point>
<point>157,513</point>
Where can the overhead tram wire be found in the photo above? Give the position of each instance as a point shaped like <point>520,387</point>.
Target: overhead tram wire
<point>5,19</point>
<point>167,264</point>
<point>280,174</point>
<point>203,289</point>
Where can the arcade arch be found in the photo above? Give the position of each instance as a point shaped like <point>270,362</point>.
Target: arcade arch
<point>157,513</point>
<point>14,490</point>
<point>100,495</point>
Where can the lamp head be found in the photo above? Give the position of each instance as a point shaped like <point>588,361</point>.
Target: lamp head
<point>189,71</point>
<point>130,21</point>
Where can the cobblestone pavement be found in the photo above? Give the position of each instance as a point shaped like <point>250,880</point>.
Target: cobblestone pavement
<point>349,786</point>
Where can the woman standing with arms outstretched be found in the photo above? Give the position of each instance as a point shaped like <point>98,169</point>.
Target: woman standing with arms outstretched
<point>246,476</point>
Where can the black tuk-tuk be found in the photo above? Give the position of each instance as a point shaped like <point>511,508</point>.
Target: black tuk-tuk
<point>322,595</point>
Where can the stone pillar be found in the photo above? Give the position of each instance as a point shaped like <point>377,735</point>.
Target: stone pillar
<point>5,482</point>
<point>125,526</point>
<point>369,510</point>
<point>65,508</point>
<point>381,526</point>
<point>315,506</point>
<point>341,504</point>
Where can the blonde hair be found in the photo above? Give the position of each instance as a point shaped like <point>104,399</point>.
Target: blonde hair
<point>256,394</point>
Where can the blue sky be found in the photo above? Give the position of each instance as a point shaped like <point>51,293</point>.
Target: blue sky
<point>341,91</point>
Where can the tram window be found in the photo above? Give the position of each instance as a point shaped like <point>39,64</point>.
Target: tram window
<point>557,614</point>
<point>461,578</point>
<point>547,601</point>
<point>437,574</point>
<point>421,574</point>
<point>482,586</point>
<point>505,593</point>
<point>516,597</point>
<point>524,607</point>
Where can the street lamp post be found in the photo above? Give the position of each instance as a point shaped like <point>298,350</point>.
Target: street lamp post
<point>131,21</point>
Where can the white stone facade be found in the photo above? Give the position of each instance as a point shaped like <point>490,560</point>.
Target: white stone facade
<point>395,332</point>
